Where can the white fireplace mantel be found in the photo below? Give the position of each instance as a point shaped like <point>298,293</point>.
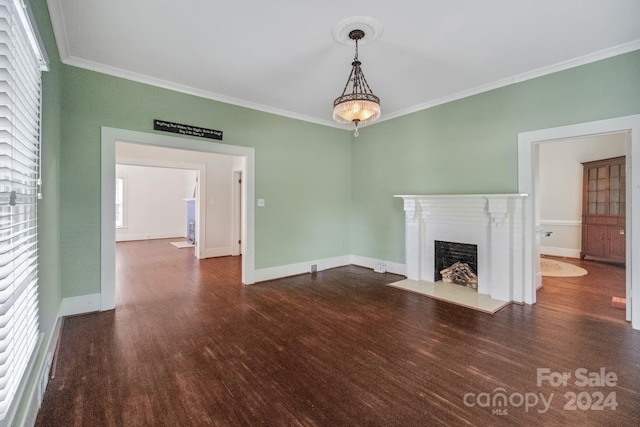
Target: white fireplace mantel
<point>493,222</point>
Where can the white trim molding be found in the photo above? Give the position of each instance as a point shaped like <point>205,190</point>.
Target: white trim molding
<point>109,136</point>
<point>216,252</point>
<point>561,66</point>
<point>560,223</point>
<point>569,226</point>
<point>178,235</point>
<point>278,272</point>
<point>67,57</point>
<point>372,263</point>
<point>528,144</point>
<point>80,305</point>
<point>560,252</point>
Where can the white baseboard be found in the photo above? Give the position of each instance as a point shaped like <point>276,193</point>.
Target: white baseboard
<point>392,267</point>
<point>34,391</point>
<point>272,273</point>
<point>280,271</point>
<point>215,252</point>
<point>149,236</point>
<point>562,252</point>
<point>80,305</point>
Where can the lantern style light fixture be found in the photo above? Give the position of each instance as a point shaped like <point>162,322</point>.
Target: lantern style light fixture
<point>357,104</point>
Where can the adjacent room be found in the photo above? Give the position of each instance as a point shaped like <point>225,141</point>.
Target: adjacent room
<point>572,246</point>
<point>451,240</point>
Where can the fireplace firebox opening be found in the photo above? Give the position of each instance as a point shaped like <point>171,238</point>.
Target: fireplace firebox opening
<point>456,263</point>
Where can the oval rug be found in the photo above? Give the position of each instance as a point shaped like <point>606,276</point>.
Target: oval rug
<point>551,267</point>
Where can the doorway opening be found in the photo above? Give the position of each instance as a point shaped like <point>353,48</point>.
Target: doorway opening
<point>528,159</point>
<point>157,198</point>
<point>110,136</point>
<point>570,219</point>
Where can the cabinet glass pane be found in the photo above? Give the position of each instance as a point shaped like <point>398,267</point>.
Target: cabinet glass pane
<point>592,186</point>
<point>614,196</point>
<point>602,184</point>
<point>593,196</point>
<point>614,208</point>
<point>602,172</point>
<point>601,208</point>
<point>601,196</point>
<point>593,173</point>
<point>592,208</point>
<point>614,171</point>
<point>614,183</point>
<point>623,209</point>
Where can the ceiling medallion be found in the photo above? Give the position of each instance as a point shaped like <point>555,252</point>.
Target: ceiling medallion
<point>372,30</point>
<point>357,104</point>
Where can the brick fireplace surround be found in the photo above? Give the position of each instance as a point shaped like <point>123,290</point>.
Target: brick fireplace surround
<point>493,222</point>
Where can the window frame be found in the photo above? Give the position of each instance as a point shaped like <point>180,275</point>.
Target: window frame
<point>22,61</point>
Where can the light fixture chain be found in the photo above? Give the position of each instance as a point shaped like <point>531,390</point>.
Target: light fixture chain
<point>356,50</point>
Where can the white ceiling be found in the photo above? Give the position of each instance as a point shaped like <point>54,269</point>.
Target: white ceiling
<point>279,55</point>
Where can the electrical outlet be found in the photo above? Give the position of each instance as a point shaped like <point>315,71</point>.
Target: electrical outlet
<point>380,267</point>
<point>314,268</point>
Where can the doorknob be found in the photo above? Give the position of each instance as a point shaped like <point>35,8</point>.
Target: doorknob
<point>622,231</point>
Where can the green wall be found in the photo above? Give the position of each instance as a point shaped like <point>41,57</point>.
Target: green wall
<point>327,193</point>
<point>471,145</point>
<point>49,206</point>
<point>303,171</point>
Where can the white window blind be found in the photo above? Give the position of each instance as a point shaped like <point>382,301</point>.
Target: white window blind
<point>20,83</point>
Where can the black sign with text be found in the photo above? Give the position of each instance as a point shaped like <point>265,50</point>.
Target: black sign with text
<point>187,130</point>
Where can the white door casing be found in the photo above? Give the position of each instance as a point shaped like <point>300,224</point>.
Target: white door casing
<point>527,167</point>
<point>109,136</point>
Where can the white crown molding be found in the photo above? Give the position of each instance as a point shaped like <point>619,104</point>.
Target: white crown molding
<point>59,28</point>
<point>561,66</point>
<point>62,41</point>
<point>176,87</point>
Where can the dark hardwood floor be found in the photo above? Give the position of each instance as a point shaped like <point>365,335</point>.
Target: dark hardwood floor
<point>588,295</point>
<point>189,345</point>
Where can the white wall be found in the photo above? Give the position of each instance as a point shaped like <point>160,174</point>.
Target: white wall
<point>561,188</point>
<point>217,204</point>
<point>154,204</point>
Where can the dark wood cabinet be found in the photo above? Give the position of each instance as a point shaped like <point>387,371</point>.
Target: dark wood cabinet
<point>604,210</point>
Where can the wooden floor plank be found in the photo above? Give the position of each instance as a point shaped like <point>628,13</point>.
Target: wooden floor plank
<point>189,345</point>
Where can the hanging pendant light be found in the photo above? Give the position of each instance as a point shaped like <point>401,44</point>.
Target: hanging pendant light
<point>357,104</point>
